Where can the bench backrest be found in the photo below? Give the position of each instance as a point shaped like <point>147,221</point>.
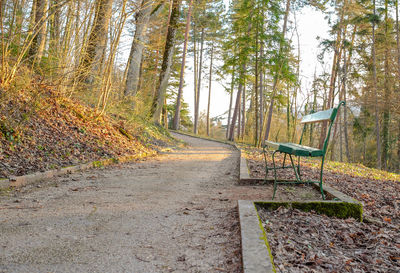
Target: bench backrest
<point>327,115</point>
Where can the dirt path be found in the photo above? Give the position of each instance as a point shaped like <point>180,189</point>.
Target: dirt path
<point>173,213</point>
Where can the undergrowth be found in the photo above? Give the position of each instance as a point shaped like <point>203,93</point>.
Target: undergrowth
<point>42,129</point>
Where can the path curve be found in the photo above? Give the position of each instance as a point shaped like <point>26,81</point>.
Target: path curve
<point>172,213</point>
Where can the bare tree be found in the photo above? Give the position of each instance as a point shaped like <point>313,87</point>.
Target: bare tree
<point>40,27</point>
<point>158,100</point>
<point>179,96</point>
<point>142,18</point>
<point>93,55</point>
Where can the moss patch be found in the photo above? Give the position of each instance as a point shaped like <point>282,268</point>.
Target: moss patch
<point>329,208</point>
<point>265,239</point>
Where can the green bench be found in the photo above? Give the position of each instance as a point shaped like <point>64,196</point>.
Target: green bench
<point>298,150</point>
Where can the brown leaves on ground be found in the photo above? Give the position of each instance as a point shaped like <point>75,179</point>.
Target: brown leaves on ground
<point>308,242</point>
<point>41,130</point>
<point>381,199</point>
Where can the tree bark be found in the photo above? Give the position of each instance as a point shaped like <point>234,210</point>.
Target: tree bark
<point>387,94</point>
<point>93,56</point>
<point>261,122</point>
<point>209,90</point>
<point>230,104</point>
<point>54,44</point>
<point>158,100</point>
<point>236,111</point>
<point>197,106</point>
<point>377,126</point>
<point>398,78</point>
<point>243,111</point>
<point>181,79</point>
<point>346,134</point>
<point>256,73</point>
<point>40,26</point>
<point>135,56</point>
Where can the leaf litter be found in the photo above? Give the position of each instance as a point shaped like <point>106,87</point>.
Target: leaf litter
<point>309,242</point>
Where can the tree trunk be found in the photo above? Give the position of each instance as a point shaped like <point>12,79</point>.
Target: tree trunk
<point>334,71</point>
<point>40,26</point>
<point>239,124</point>
<point>181,80</point>
<point>197,110</point>
<point>256,91</point>
<point>158,100</point>
<point>346,134</point>
<point>135,57</point>
<point>209,90</point>
<point>236,112</point>
<point>377,127</point>
<point>398,78</point>
<point>19,21</point>
<point>93,56</point>
<point>261,122</point>
<point>243,111</point>
<point>195,75</point>
<point>276,77</point>
<point>387,92</point>
<point>230,104</point>
<point>54,45</point>
<point>288,113</point>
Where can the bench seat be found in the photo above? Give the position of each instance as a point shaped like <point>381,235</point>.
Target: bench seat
<point>295,149</point>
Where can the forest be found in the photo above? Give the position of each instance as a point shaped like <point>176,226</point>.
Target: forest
<point>127,59</point>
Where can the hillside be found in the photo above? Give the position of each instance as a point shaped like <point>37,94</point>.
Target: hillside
<point>40,129</point>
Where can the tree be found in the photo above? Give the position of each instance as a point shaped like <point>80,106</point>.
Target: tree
<point>158,101</point>
<point>93,55</point>
<point>143,15</point>
<point>179,97</point>
<point>39,7</point>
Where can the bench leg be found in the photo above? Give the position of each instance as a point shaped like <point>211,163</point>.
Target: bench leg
<point>295,169</point>
<point>284,160</point>
<point>298,166</point>
<point>275,181</point>
<point>266,164</point>
<point>320,178</point>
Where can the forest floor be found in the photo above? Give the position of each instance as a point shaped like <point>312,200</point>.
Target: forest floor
<point>307,242</point>
<point>176,212</point>
<point>42,129</point>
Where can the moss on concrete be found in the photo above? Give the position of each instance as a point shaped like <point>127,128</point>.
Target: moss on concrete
<point>265,239</point>
<point>329,208</point>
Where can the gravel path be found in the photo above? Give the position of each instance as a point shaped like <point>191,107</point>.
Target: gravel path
<point>173,213</point>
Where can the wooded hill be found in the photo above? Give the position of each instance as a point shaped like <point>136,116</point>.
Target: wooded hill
<point>79,50</point>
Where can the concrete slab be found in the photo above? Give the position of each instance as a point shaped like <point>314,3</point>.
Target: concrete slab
<point>256,254</point>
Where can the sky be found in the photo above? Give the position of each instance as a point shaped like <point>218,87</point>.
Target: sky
<point>311,23</point>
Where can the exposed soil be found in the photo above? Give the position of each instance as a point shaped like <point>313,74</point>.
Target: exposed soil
<point>308,242</point>
<point>173,213</point>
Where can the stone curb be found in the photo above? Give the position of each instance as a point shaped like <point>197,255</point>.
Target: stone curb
<point>20,181</point>
<point>256,252</point>
<point>255,248</point>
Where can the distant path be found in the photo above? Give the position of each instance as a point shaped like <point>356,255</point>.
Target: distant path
<point>173,213</point>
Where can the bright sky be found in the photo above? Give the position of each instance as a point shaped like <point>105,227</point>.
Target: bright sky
<point>311,24</point>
